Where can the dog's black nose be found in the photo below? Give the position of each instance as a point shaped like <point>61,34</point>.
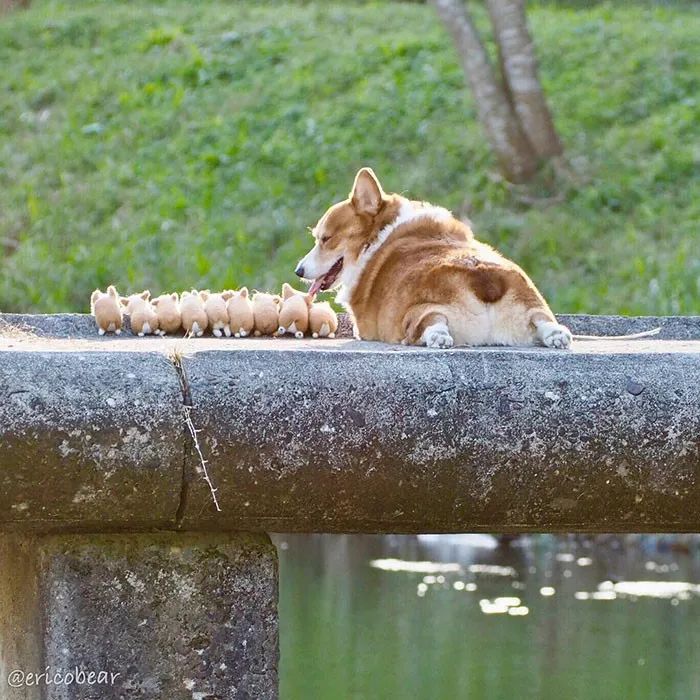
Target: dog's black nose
<point>299,272</point>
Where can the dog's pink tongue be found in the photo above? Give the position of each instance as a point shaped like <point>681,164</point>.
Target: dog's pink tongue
<point>316,286</point>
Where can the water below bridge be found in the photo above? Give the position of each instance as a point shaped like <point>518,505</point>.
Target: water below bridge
<point>463,616</point>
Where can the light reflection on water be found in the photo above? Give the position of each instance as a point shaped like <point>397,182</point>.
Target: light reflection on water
<point>461,617</point>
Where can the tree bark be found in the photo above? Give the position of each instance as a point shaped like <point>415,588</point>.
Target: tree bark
<point>516,155</point>
<point>7,5</point>
<point>520,72</point>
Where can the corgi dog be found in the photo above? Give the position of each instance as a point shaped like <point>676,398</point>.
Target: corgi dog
<point>107,310</point>
<point>142,314</point>
<point>194,317</point>
<point>409,272</point>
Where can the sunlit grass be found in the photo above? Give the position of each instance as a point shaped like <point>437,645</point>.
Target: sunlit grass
<point>183,144</point>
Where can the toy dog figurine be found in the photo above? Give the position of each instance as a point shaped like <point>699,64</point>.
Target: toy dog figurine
<point>266,313</point>
<point>241,318</point>
<point>323,321</point>
<point>142,314</point>
<point>217,315</point>
<point>294,314</point>
<point>194,317</point>
<point>168,312</point>
<point>107,310</point>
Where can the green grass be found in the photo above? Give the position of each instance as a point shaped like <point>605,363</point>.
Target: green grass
<point>188,144</point>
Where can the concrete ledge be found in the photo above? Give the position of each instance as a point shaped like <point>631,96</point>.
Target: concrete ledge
<point>349,436</point>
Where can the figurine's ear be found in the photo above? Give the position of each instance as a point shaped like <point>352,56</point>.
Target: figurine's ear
<point>124,301</point>
<point>155,301</point>
<point>243,292</point>
<point>173,296</point>
<point>185,294</point>
<point>227,294</point>
<point>287,291</point>
<point>277,299</point>
<point>95,296</point>
<point>111,290</point>
<point>204,294</point>
<point>145,294</point>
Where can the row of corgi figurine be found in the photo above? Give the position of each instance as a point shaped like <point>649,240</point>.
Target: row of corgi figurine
<point>224,313</point>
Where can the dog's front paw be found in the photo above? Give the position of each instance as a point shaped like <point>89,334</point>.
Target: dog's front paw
<point>554,335</point>
<point>437,336</point>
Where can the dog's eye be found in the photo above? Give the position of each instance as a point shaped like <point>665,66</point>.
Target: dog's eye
<point>325,239</point>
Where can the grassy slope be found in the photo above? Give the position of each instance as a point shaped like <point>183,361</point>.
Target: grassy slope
<point>191,144</point>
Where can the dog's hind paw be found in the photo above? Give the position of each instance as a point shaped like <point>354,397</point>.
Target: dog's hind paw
<point>437,336</point>
<point>554,335</point>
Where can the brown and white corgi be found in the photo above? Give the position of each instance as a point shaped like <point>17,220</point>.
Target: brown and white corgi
<point>410,272</point>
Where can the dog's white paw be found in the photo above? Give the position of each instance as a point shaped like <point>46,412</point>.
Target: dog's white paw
<point>554,335</point>
<point>437,336</point>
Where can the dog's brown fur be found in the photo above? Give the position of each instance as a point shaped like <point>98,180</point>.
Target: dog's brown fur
<point>429,270</point>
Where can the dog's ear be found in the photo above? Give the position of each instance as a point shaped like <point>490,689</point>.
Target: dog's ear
<point>367,195</point>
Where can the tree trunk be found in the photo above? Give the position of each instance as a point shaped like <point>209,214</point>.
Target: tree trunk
<point>513,150</point>
<point>7,5</point>
<point>519,66</point>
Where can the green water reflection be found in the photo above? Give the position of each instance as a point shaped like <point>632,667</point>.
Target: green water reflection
<point>350,630</point>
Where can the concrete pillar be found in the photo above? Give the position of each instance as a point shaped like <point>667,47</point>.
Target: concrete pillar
<point>151,616</point>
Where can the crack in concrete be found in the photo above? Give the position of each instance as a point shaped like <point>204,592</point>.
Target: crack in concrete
<point>175,359</point>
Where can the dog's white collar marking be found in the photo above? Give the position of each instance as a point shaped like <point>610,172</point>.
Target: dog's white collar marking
<point>409,211</point>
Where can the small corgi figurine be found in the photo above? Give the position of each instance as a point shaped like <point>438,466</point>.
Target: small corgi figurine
<point>194,317</point>
<point>240,313</point>
<point>168,312</point>
<point>294,313</point>
<point>266,313</point>
<point>217,315</point>
<point>142,314</point>
<point>323,321</point>
<point>107,310</point>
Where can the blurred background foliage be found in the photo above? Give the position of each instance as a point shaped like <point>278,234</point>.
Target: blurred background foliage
<point>176,144</point>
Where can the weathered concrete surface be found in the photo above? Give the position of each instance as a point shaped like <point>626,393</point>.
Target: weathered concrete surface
<point>351,436</point>
<point>83,325</point>
<point>435,441</point>
<point>175,616</point>
<point>89,440</point>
